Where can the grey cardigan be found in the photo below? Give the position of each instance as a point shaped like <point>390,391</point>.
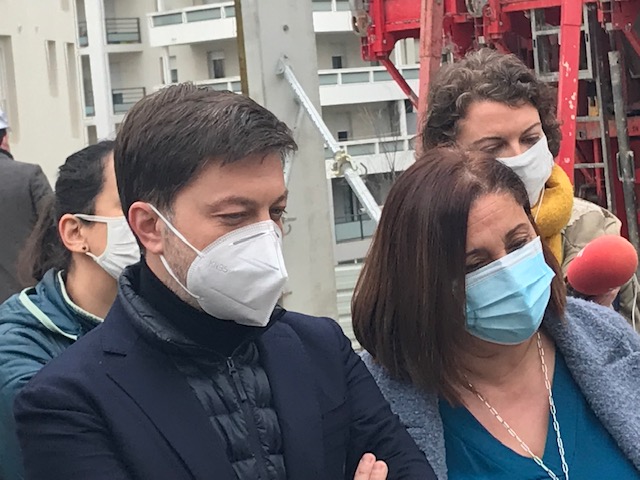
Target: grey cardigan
<point>603,354</point>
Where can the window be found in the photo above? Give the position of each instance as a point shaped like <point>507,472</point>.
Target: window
<point>92,135</point>
<point>3,82</point>
<point>218,68</point>
<point>118,98</point>
<point>8,99</point>
<point>343,136</point>
<point>216,65</point>
<point>87,86</point>
<point>52,67</point>
<point>73,87</point>
<point>173,69</point>
<point>336,61</point>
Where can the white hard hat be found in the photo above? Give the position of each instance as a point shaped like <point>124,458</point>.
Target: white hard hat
<point>4,123</point>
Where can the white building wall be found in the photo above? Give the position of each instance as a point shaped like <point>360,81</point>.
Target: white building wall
<point>193,59</point>
<point>40,81</point>
<point>364,120</point>
<point>340,43</point>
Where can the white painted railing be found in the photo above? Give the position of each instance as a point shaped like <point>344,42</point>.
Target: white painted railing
<point>192,14</point>
<point>375,146</point>
<point>347,76</point>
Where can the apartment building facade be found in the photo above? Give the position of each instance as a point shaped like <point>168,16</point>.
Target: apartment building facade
<point>39,81</point>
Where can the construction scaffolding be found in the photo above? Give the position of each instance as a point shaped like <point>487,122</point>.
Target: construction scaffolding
<point>589,49</point>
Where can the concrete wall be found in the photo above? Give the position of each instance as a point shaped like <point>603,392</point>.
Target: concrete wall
<point>345,44</point>
<point>365,120</point>
<point>193,59</point>
<point>40,83</point>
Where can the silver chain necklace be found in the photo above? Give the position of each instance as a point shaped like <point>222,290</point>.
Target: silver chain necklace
<point>552,409</point>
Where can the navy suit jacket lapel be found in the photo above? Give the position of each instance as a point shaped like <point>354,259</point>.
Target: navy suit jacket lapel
<point>163,394</point>
<point>296,401</point>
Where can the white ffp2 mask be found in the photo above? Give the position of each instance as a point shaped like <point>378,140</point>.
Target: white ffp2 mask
<point>533,167</point>
<point>122,248</point>
<point>238,277</point>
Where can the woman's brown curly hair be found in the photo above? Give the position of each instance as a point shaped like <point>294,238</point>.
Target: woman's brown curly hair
<point>485,75</point>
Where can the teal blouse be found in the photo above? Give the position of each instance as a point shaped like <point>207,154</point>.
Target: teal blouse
<point>590,452</point>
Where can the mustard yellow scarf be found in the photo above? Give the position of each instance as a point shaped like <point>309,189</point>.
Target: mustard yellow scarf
<point>553,211</point>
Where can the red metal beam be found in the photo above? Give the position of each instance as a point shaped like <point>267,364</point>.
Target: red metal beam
<point>402,83</point>
<point>590,130</point>
<point>510,6</point>
<point>570,23</point>
<point>633,40</point>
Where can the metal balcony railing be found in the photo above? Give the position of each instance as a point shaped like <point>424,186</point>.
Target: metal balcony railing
<point>353,227</point>
<point>330,5</point>
<point>194,14</point>
<point>374,146</point>
<point>118,31</point>
<point>123,30</point>
<point>125,98</point>
<point>227,83</point>
<point>347,76</point>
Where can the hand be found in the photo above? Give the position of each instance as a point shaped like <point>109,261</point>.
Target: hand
<point>607,298</point>
<point>371,469</point>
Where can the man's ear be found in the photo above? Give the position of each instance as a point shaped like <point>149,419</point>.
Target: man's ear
<point>71,233</point>
<point>147,227</point>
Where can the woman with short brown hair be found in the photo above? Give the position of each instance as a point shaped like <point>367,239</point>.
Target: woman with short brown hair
<point>494,103</point>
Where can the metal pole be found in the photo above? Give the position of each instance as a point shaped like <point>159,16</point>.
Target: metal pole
<point>345,163</point>
<point>626,164</point>
<point>603,94</point>
<point>242,56</point>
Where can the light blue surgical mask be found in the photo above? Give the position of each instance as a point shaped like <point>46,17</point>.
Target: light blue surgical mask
<point>506,299</point>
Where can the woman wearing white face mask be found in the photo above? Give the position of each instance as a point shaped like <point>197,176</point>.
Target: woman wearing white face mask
<point>494,103</point>
<point>77,250</point>
<point>494,372</point>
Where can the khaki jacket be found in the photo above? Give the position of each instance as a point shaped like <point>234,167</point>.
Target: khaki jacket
<point>589,221</point>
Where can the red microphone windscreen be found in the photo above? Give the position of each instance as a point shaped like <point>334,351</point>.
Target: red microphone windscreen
<point>605,263</point>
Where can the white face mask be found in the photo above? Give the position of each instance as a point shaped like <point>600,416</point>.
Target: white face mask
<point>122,249</point>
<point>533,167</point>
<point>240,276</point>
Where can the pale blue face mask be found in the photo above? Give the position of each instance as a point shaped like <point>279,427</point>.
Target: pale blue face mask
<point>506,299</point>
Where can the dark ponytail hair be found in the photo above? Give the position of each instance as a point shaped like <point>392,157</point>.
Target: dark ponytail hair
<point>80,181</point>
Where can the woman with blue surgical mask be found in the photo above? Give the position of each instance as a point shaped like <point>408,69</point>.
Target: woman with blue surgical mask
<point>494,103</point>
<point>462,310</point>
<point>79,246</point>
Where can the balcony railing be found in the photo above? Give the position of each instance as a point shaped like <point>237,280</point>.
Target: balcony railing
<point>118,31</point>
<point>348,76</point>
<point>330,5</point>
<point>375,146</point>
<point>354,227</point>
<point>125,98</point>
<point>228,83</point>
<point>196,14</point>
<point>123,30</point>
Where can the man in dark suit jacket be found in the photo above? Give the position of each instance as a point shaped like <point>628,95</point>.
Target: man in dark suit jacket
<point>23,188</point>
<point>196,372</point>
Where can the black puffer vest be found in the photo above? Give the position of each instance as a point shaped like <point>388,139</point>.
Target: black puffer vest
<point>221,363</point>
<point>236,395</point>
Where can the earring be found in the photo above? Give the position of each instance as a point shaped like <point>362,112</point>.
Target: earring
<point>84,248</point>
